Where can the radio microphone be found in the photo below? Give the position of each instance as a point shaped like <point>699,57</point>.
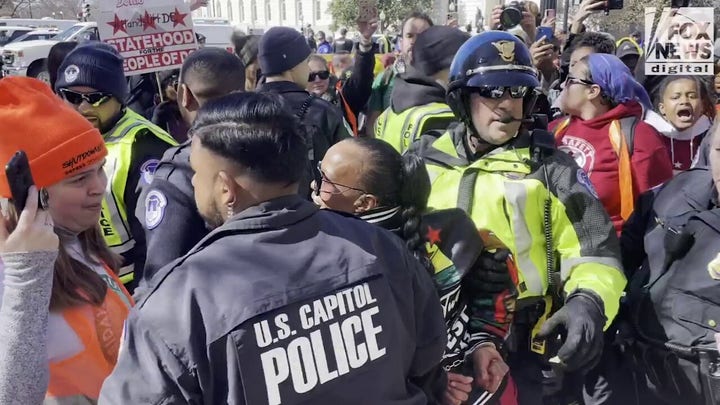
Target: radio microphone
<point>508,119</point>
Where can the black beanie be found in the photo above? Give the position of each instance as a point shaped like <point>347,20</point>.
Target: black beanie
<point>281,49</point>
<point>97,65</point>
<point>435,48</point>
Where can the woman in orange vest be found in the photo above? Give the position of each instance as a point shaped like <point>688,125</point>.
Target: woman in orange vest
<point>62,306</point>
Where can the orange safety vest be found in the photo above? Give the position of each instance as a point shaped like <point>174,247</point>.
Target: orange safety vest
<point>100,332</point>
<point>620,146</point>
<point>351,118</point>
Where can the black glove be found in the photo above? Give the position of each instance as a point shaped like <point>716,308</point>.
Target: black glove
<point>490,275</point>
<point>493,272</point>
<point>583,319</point>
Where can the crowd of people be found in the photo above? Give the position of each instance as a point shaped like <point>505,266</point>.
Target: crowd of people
<point>494,218</point>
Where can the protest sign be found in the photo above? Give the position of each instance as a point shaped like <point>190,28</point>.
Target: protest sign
<point>151,35</point>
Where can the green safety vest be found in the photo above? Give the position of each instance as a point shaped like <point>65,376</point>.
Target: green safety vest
<point>507,197</point>
<point>114,218</point>
<point>401,130</point>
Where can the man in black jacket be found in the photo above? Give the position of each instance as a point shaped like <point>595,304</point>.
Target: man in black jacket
<point>283,55</point>
<point>342,43</point>
<point>347,315</point>
<point>171,221</point>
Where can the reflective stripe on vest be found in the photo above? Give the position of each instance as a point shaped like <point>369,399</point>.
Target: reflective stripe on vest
<point>512,209</point>
<point>401,130</point>
<point>113,219</point>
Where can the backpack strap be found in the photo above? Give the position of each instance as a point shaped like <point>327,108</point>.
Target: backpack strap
<point>622,137</point>
<point>628,124</point>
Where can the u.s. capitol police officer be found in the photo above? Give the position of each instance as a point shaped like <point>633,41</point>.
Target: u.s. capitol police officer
<point>171,220</point>
<point>281,303</point>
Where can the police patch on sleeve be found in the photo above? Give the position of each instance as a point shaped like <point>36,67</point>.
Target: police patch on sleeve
<point>155,204</point>
<point>147,170</point>
<point>583,179</point>
<point>295,354</point>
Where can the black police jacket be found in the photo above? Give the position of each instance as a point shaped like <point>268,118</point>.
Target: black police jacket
<point>287,304</point>
<point>325,118</point>
<point>168,213</point>
<point>666,247</point>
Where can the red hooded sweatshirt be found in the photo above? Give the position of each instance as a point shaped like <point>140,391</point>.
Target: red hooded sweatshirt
<point>589,143</point>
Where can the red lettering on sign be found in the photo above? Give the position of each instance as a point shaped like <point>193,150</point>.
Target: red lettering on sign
<point>158,60</point>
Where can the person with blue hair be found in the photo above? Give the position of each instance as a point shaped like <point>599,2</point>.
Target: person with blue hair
<point>605,133</point>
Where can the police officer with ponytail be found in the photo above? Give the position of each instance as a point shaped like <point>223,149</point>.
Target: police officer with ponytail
<point>509,178</point>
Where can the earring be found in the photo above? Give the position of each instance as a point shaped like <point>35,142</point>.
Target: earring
<point>230,211</point>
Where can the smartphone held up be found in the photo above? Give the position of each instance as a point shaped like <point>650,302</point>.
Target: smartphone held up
<point>20,180</point>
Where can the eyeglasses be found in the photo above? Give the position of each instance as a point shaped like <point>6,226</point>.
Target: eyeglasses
<point>95,99</point>
<point>323,75</point>
<point>498,92</point>
<point>324,179</point>
<point>570,80</point>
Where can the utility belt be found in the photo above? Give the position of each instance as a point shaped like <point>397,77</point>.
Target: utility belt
<point>527,322</point>
<point>682,375</point>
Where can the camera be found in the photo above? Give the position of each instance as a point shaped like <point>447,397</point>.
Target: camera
<point>512,14</point>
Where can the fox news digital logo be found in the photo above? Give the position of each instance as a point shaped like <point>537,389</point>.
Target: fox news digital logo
<point>682,42</point>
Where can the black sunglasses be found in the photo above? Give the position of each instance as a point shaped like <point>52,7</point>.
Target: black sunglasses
<point>95,99</point>
<point>498,92</point>
<point>323,75</point>
<point>570,80</point>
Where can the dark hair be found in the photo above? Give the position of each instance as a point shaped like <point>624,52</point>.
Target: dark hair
<point>398,180</point>
<point>256,131</point>
<point>74,283</point>
<point>598,41</point>
<point>343,31</point>
<point>57,55</point>
<point>216,70</point>
<point>707,97</point>
<point>416,14</point>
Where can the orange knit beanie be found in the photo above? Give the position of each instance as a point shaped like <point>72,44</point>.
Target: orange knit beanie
<point>58,141</point>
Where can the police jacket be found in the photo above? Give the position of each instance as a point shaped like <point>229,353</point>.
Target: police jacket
<point>135,147</point>
<point>673,300</point>
<point>417,106</point>
<point>168,213</point>
<point>345,316</point>
<point>323,116</point>
<point>322,121</point>
<point>540,204</point>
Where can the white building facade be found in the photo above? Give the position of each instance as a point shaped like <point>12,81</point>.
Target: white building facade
<point>259,15</point>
